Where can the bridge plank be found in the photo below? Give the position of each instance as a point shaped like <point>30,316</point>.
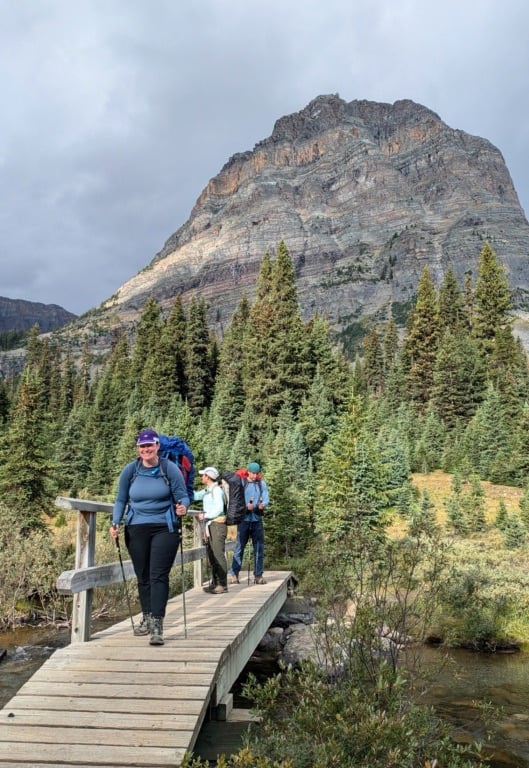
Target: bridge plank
<point>108,754</point>
<point>170,721</point>
<point>117,701</point>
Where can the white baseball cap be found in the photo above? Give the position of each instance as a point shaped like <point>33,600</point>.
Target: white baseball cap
<point>210,472</point>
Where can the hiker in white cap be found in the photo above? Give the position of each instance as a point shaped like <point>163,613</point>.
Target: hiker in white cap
<point>214,516</point>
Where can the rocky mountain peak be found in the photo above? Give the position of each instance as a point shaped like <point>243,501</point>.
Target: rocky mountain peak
<point>364,194</point>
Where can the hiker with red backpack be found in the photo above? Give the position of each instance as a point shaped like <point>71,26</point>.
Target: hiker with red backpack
<point>256,497</point>
<point>152,496</point>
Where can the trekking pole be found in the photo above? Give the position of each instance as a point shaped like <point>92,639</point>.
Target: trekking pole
<point>183,577</point>
<point>125,583</point>
<point>250,556</point>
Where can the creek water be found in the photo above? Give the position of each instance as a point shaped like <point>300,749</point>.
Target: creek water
<point>461,684</point>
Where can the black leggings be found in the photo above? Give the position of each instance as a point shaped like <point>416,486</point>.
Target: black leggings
<point>152,549</point>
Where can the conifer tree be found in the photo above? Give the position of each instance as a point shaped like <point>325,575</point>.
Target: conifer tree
<point>492,299</point>
<point>332,364</point>
<point>428,451</point>
<point>177,419</point>
<point>55,384</point>
<point>514,533</point>
<point>501,516</point>
<point>146,341</point>
<point>33,349</point>
<point>524,507</point>
<point>451,303</point>
<point>393,454</point>
<point>373,363</point>
<point>82,387</point>
<point>173,354</point>
<point>520,449</point>
<point>109,411</point>
<point>26,469</point>
<point>332,500</point>
<point>316,417</point>
<point>390,346</point>
<point>67,387</point>
<point>239,451</point>
<point>458,378</point>
<point>468,306</point>
<point>508,373</point>
<point>423,518</point>
<point>276,362</point>
<point>73,453</point>
<point>229,398</point>
<point>422,340</point>
<point>359,493</point>
<point>473,505</point>
<point>489,440</point>
<point>199,377</point>
<point>4,401</point>
<point>457,518</point>
<point>287,517</point>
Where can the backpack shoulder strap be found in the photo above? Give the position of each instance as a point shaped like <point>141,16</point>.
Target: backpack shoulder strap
<point>163,470</point>
<point>134,471</point>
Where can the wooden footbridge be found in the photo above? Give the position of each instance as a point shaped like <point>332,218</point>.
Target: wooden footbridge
<point>111,699</point>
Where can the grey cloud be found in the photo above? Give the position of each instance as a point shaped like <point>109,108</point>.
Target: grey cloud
<point>116,115</point>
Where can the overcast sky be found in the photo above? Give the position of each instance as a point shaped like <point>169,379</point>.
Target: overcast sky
<point>116,113</point>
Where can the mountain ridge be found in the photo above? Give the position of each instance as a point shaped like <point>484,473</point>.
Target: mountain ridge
<point>364,194</point>
<point>21,315</point>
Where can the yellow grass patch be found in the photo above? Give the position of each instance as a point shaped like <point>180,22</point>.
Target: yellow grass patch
<point>438,484</point>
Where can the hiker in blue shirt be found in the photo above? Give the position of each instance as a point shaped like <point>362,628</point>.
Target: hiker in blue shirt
<point>256,497</point>
<point>152,495</point>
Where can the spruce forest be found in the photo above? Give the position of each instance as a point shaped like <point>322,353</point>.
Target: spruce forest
<point>338,439</point>
<point>340,442</point>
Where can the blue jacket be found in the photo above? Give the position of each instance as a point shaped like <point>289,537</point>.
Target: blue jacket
<point>256,492</point>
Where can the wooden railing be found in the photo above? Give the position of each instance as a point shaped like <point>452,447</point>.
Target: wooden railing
<point>86,576</point>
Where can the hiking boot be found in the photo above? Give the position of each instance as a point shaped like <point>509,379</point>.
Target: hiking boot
<point>219,590</point>
<point>144,627</point>
<point>259,580</point>
<point>156,631</point>
<point>233,579</point>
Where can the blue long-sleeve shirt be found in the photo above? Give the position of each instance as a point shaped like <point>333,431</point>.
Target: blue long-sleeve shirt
<point>147,494</point>
<point>255,492</point>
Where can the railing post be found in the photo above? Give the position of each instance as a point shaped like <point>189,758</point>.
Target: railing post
<point>84,558</point>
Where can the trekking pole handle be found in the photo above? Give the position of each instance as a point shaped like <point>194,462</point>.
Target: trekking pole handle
<point>179,504</point>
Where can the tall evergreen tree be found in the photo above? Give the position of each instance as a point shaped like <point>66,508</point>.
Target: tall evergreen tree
<point>316,417</point>
<point>451,303</point>
<point>458,378</point>
<point>287,518</point>
<point>332,364</point>
<point>422,340</point>
<point>146,341</point>
<point>390,346</point>
<point>373,362</point>
<point>173,347</point>
<point>109,410</point>
<point>199,376</point>
<point>492,299</point>
<point>26,469</point>
<point>229,398</point>
<point>276,353</point>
